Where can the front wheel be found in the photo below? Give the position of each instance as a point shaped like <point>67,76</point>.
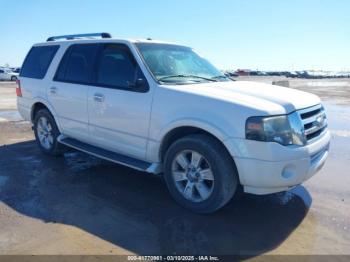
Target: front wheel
<point>46,133</point>
<point>200,174</point>
<point>13,78</point>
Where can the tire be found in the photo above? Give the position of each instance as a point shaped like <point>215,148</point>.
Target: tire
<point>13,78</point>
<point>217,173</point>
<point>48,133</point>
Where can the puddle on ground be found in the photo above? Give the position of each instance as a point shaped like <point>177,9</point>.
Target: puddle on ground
<point>30,159</point>
<point>326,83</point>
<point>338,119</point>
<point>78,161</point>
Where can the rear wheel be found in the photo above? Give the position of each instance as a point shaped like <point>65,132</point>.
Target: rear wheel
<point>13,78</point>
<point>46,133</point>
<point>199,173</point>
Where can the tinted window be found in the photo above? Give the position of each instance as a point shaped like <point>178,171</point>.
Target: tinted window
<point>116,67</point>
<point>77,63</point>
<point>38,61</point>
<point>1,71</point>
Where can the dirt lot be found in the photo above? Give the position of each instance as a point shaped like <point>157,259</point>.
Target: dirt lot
<point>78,204</point>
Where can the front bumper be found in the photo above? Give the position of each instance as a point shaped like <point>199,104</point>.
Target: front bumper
<point>266,168</point>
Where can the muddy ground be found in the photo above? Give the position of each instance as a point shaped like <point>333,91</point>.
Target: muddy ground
<point>78,204</point>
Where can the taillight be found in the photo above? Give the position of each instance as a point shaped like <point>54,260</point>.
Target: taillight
<point>18,88</point>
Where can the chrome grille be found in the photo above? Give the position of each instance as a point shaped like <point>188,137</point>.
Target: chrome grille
<point>314,120</point>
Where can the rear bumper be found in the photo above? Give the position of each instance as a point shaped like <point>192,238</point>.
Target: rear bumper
<point>266,168</point>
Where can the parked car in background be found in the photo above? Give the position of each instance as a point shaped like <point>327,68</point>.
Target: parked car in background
<point>257,73</point>
<point>302,74</point>
<point>253,73</point>
<point>274,73</point>
<point>8,75</point>
<point>292,74</point>
<point>16,70</point>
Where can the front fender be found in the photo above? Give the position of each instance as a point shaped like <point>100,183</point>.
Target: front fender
<point>155,141</point>
<point>191,122</point>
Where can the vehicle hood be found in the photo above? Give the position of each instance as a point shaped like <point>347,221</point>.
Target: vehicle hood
<point>267,98</point>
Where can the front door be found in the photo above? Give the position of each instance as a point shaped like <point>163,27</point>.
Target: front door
<point>119,113</point>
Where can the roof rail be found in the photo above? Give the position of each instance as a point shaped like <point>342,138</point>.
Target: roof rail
<point>71,37</point>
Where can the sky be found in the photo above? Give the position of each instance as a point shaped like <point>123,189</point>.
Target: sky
<point>246,34</point>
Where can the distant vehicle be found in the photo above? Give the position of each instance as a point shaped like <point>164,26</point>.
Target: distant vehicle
<point>253,73</point>
<point>302,74</point>
<point>258,73</point>
<point>8,75</point>
<point>341,74</point>
<point>262,73</point>
<point>312,74</point>
<point>292,74</point>
<point>162,108</point>
<point>16,70</point>
<point>274,73</point>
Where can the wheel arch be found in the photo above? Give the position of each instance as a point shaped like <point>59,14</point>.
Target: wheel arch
<point>35,109</point>
<point>38,105</point>
<point>185,128</point>
<point>179,132</point>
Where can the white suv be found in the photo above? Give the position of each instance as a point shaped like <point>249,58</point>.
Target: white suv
<point>162,108</point>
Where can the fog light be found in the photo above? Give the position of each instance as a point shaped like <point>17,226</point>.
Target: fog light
<point>288,171</point>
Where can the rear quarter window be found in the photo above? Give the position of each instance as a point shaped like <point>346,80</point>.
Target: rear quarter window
<point>38,61</point>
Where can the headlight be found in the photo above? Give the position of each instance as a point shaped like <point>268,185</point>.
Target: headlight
<point>285,130</point>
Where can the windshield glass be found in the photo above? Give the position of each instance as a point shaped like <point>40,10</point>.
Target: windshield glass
<point>178,64</point>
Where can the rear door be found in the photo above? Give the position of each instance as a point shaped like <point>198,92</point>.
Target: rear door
<point>69,89</point>
<point>119,113</point>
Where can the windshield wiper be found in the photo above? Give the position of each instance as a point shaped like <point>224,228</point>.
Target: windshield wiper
<point>223,77</point>
<point>220,77</point>
<point>186,76</point>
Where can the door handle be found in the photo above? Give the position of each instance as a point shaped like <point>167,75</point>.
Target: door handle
<point>99,98</point>
<point>53,90</point>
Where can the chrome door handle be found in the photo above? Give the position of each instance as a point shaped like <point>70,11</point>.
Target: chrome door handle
<point>99,97</point>
<point>53,90</point>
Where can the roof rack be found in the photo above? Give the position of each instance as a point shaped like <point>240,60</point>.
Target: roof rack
<point>71,37</point>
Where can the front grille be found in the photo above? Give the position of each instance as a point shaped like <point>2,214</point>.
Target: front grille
<point>314,120</point>
<point>310,113</point>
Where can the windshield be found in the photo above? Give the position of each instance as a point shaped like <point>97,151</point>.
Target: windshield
<point>178,64</point>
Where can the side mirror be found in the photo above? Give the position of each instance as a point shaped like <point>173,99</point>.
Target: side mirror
<point>140,85</point>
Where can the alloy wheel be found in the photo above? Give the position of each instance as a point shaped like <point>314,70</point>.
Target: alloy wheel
<point>193,175</point>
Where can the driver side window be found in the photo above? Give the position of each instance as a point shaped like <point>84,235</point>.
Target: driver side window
<point>116,67</point>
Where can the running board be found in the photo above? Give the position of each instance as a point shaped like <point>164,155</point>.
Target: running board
<point>110,156</point>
